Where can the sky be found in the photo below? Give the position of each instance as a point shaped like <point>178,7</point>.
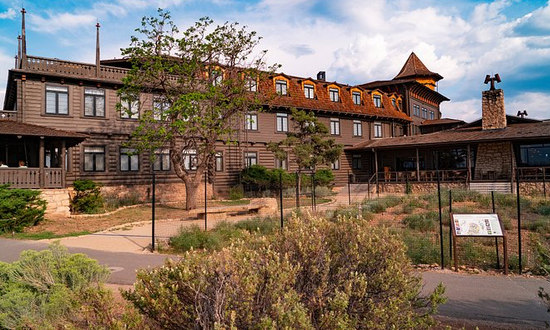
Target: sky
<point>353,41</point>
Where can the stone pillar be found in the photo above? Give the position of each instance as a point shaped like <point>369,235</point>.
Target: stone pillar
<point>493,111</point>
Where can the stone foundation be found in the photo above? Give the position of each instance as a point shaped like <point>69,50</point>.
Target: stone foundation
<point>494,161</point>
<point>58,201</point>
<point>164,192</point>
<point>533,188</point>
<point>418,187</point>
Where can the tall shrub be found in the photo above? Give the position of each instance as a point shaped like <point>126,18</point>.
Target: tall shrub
<point>316,274</point>
<point>20,208</point>
<point>87,198</point>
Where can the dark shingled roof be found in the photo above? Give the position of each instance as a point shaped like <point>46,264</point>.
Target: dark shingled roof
<point>10,127</point>
<point>516,132</point>
<point>415,68</point>
<point>442,121</point>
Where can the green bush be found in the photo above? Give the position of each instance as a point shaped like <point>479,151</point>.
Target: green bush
<point>421,248</point>
<point>259,225</point>
<point>194,237</point>
<point>47,289</point>
<point>421,222</point>
<point>114,201</point>
<point>256,175</point>
<point>20,208</point>
<point>87,198</point>
<point>316,273</point>
<point>543,208</point>
<point>236,192</point>
<point>323,178</point>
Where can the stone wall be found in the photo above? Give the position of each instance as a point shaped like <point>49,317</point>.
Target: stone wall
<point>418,187</point>
<point>164,192</point>
<point>58,201</point>
<point>533,188</point>
<point>494,161</point>
<point>492,108</point>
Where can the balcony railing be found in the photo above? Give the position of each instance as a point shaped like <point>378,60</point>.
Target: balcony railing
<point>31,177</point>
<point>67,68</point>
<point>537,174</point>
<point>5,114</point>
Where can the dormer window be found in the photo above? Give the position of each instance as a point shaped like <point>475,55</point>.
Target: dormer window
<point>334,94</point>
<point>377,99</point>
<point>309,91</point>
<point>251,84</point>
<point>393,102</point>
<point>356,97</point>
<point>281,87</point>
<point>217,78</point>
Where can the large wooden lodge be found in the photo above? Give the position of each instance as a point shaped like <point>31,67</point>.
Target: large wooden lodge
<point>60,121</point>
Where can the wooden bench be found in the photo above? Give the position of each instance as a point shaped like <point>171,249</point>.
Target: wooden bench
<point>262,206</point>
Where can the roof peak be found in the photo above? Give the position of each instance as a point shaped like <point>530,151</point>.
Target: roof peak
<point>414,67</point>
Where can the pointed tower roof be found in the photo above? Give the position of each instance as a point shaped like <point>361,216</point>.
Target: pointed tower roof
<point>415,68</point>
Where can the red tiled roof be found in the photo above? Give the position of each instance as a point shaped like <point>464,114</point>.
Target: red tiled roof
<point>526,131</point>
<point>322,102</point>
<point>414,67</point>
<point>10,127</point>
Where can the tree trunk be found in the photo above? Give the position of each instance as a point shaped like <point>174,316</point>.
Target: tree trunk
<point>191,188</point>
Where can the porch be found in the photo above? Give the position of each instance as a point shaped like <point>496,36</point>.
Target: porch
<point>33,156</point>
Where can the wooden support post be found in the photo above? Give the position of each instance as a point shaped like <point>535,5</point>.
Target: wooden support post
<point>63,163</point>
<point>468,165</point>
<point>417,166</point>
<point>376,171</point>
<point>41,156</point>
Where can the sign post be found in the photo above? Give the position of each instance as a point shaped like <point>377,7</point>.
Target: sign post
<point>478,225</point>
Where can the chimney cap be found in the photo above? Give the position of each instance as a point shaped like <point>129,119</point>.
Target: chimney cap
<point>321,75</point>
<point>492,80</point>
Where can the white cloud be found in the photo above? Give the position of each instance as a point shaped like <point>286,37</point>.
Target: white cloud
<point>467,110</point>
<point>8,14</point>
<point>537,105</point>
<point>55,22</point>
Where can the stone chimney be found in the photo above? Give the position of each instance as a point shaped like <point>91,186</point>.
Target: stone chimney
<point>493,113</point>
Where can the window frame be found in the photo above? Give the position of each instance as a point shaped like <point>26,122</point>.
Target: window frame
<point>281,118</point>
<point>127,106</point>
<point>416,110</point>
<point>57,93</point>
<point>424,113</point>
<point>335,165</point>
<point>94,160</point>
<point>218,161</point>
<point>281,163</point>
<point>356,97</point>
<point>334,126</point>
<point>278,87</point>
<point>190,160</point>
<point>357,128</point>
<point>377,100</point>
<point>309,91</point>
<point>251,122</point>
<point>334,94</point>
<point>356,162</point>
<point>249,156</point>
<point>378,131</point>
<point>88,92</point>
<point>130,155</point>
<point>160,155</point>
<point>159,113</point>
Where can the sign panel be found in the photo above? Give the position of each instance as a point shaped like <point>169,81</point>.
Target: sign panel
<point>477,225</point>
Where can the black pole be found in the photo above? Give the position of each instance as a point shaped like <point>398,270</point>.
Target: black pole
<point>440,217</point>
<point>205,200</point>
<point>281,195</point>
<point>519,219</point>
<point>314,197</point>
<point>349,188</point>
<point>153,213</point>
<point>312,189</point>
<point>297,190</point>
<point>496,238</point>
<point>450,225</point>
<point>544,182</point>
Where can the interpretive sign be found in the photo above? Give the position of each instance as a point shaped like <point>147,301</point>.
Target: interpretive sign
<point>477,225</point>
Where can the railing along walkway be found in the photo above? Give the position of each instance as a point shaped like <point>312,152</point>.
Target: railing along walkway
<point>30,177</point>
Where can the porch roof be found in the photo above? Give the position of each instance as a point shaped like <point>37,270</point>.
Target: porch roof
<point>10,127</point>
<point>463,135</point>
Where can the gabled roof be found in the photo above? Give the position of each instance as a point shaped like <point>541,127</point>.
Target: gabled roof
<point>415,68</point>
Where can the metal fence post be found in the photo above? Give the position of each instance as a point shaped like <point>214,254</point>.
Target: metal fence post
<point>153,212</point>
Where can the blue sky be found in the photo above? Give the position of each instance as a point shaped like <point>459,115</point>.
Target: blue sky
<point>353,41</point>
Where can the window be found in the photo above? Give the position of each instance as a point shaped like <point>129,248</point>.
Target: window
<point>162,160</point>
<point>432,115</point>
<point>94,159</point>
<point>356,96</point>
<point>129,107</point>
<point>356,162</point>
<point>377,130</point>
<point>357,128</point>
<point>282,122</point>
<point>57,100</point>
<point>535,155</point>
<point>219,161</point>
<point>280,87</point>
<point>377,100</point>
<point>250,158</point>
<point>94,102</point>
<point>129,160</point>
<point>217,77</point>
<point>160,108</point>
<point>424,113</point>
<point>334,94</point>
<point>251,122</point>
<point>393,102</point>
<point>334,126</point>
<point>400,104</point>
<point>281,163</point>
<point>416,110</point>
<point>309,91</point>
<point>335,165</point>
<point>190,160</point>
<point>251,84</point>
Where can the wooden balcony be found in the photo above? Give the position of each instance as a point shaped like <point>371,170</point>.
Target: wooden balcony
<point>32,177</point>
<point>73,69</point>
